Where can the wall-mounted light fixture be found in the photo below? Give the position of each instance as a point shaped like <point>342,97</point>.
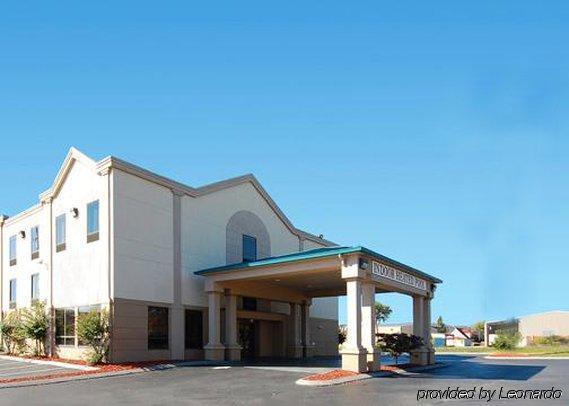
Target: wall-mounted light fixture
<point>74,212</point>
<point>23,234</point>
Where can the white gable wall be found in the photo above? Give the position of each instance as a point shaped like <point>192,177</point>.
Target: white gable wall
<point>25,266</point>
<point>80,274</point>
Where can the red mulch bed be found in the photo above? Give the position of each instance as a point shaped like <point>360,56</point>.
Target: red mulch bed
<point>328,376</point>
<point>338,373</point>
<point>101,369</point>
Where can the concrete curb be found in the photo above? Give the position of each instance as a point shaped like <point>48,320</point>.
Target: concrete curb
<point>361,377</point>
<point>52,363</point>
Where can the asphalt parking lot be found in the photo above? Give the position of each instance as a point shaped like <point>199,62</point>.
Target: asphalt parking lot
<point>265,384</point>
<point>16,369</point>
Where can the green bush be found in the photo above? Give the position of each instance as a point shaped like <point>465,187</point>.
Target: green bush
<point>93,330</point>
<point>13,334</point>
<point>551,340</point>
<point>35,326</point>
<point>507,341</point>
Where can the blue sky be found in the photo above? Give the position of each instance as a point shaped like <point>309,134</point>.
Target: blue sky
<point>435,133</point>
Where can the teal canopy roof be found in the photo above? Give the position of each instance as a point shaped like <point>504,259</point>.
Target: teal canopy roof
<point>314,254</point>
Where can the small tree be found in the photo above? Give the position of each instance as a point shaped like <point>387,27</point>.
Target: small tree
<point>382,312</point>
<point>13,332</point>
<point>93,330</point>
<point>35,325</point>
<point>478,327</point>
<point>440,325</point>
<point>397,344</point>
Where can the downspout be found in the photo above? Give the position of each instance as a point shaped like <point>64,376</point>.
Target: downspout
<point>50,271</point>
<point>110,257</point>
<point>2,219</point>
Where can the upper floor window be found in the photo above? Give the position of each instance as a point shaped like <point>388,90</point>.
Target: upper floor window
<point>12,293</point>
<point>60,233</point>
<point>35,241</point>
<point>35,286</point>
<point>249,248</point>
<point>93,221</point>
<point>13,254</point>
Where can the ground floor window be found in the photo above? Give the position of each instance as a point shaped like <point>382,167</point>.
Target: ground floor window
<point>65,326</point>
<point>194,329</point>
<point>157,328</point>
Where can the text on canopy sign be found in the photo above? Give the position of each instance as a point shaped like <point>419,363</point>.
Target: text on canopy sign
<point>388,272</point>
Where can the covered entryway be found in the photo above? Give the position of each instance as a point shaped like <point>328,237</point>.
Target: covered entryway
<point>295,279</point>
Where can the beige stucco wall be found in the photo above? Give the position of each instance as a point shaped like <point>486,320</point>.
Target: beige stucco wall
<point>324,334</point>
<point>143,239</point>
<point>552,323</point>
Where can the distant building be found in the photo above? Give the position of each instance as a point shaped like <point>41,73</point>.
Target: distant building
<point>553,323</point>
<point>459,337</point>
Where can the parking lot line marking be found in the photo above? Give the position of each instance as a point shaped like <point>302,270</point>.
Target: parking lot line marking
<point>2,370</point>
<point>33,371</point>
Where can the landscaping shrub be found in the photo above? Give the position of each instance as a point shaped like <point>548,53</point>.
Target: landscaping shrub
<point>35,326</point>
<point>13,334</point>
<point>93,330</point>
<point>551,340</point>
<point>507,341</point>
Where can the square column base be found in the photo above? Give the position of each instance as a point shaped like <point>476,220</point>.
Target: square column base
<point>373,360</point>
<point>295,351</point>
<point>214,353</point>
<point>354,360</point>
<point>423,356</point>
<point>233,353</point>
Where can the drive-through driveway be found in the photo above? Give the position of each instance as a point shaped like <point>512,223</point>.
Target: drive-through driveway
<point>266,384</point>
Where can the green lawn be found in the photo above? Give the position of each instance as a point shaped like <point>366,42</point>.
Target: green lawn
<point>544,351</point>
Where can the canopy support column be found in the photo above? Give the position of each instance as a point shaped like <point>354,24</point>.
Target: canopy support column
<point>306,339</point>
<point>295,347</point>
<point>419,356</point>
<point>214,350</point>
<point>368,326</point>
<point>233,349</point>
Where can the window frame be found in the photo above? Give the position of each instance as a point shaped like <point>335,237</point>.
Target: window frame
<point>13,249</point>
<point>158,341</point>
<point>93,235</point>
<point>13,293</point>
<point>60,232</point>
<point>35,293</point>
<point>35,238</point>
<point>68,340</point>
<point>250,238</point>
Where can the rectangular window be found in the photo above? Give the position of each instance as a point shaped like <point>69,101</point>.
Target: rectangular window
<point>194,329</point>
<point>249,248</point>
<point>65,326</point>
<point>60,233</point>
<point>93,221</point>
<point>13,293</point>
<point>157,328</point>
<point>13,254</point>
<point>35,241</point>
<point>35,286</point>
<point>250,303</point>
